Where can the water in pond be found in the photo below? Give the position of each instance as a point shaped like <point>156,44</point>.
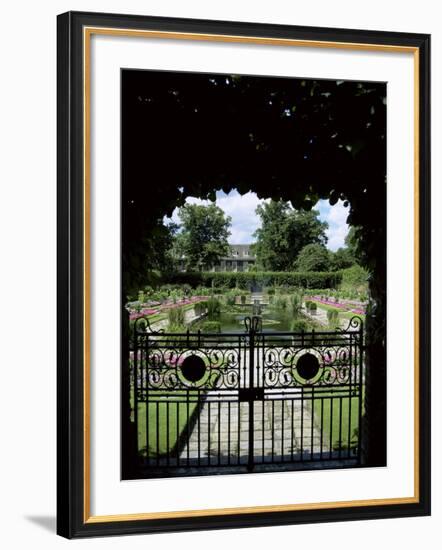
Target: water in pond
<point>273,320</point>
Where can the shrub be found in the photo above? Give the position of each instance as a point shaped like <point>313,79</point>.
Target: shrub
<point>299,325</point>
<point>148,290</point>
<point>202,291</point>
<point>355,278</point>
<point>296,303</point>
<point>333,318</point>
<point>316,291</point>
<point>213,308</point>
<point>311,307</point>
<point>186,289</point>
<point>136,305</point>
<point>280,302</point>
<point>176,316</point>
<point>230,298</point>
<point>164,294</point>
<point>175,295</point>
<point>211,326</point>
<point>243,298</point>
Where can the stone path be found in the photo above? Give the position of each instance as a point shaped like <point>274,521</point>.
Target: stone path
<point>222,432</point>
<point>189,317</point>
<point>321,317</point>
<point>282,428</point>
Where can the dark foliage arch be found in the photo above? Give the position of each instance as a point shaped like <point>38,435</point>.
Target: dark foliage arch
<point>299,140</point>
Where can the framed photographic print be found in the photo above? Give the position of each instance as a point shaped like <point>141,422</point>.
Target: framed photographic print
<point>243,274</point>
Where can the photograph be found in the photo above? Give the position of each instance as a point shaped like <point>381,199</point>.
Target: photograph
<point>253,273</point>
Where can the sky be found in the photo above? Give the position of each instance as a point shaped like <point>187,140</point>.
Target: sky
<point>241,208</point>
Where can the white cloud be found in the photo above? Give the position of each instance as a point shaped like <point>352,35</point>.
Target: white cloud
<point>336,217</point>
<point>241,208</point>
<point>190,200</point>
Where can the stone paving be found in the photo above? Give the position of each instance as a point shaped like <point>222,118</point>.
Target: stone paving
<point>189,318</point>
<point>222,432</point>
<point>282,428</point>
<point>321,317</point>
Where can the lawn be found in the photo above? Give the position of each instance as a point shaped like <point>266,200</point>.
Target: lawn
<point>167,419</point>
<point>331,431</point>
<point>168,414</point>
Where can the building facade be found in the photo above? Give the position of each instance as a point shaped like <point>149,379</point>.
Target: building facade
<point>240,258</point>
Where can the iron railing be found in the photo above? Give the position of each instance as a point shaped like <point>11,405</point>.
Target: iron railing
<point>246,400</point>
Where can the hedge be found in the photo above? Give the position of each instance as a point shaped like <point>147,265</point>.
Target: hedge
<point>310,306</point>
<point>249,279</point>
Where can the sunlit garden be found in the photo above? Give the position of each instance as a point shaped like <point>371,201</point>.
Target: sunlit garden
<point>221,308</point>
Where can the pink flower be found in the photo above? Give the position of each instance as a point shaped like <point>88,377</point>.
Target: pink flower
<point>339,305</point>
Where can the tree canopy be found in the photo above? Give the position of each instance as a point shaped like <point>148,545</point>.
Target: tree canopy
<point>313,257</point>
<point>203,237</point>
<point>283,233</point>
<point>342,259</point>
<point>289,139</point>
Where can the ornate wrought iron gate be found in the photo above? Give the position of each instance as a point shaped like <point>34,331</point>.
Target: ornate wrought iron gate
<point>247,399</point>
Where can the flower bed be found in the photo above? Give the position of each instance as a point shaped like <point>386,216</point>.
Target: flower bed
<point>165,307</point>
<point>344,306</point>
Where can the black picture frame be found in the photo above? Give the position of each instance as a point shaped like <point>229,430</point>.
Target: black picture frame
<point>73,518</point>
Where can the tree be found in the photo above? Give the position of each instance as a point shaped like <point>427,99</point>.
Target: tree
<point>283,233</point>
<point>342,259</point>
<point>355,277</point>
<point>151,254</point>
<point>203,237</point>
<point>313,257</point>
<point>312,139</point>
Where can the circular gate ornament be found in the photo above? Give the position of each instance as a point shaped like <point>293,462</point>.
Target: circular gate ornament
<point>193,368</point>
<point>307,366</point>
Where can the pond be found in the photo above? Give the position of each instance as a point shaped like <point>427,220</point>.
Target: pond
<point>273,320</point>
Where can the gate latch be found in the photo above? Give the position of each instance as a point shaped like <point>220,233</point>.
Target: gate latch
<point>251,394</point>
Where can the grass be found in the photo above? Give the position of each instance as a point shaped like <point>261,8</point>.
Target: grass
<point>168,416</point>
<point>350,415</point>
<point>167,419</point>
